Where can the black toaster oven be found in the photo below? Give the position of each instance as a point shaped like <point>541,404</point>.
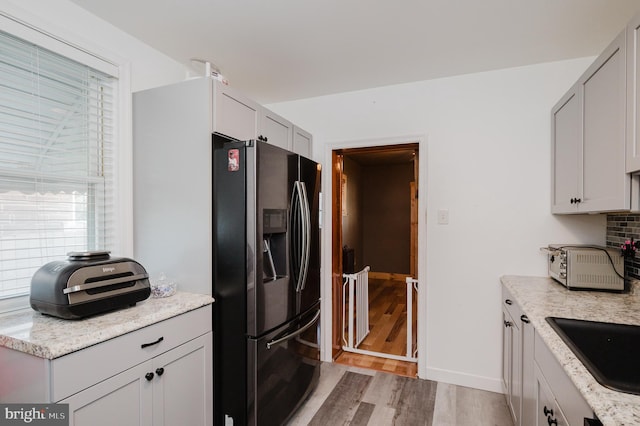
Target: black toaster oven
<point>88,283</point>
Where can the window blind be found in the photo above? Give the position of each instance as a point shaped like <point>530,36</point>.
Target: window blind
<point>56,160</point>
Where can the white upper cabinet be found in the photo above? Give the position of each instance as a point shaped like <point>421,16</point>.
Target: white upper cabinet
<point>566,146</point>
<point>274,129</point>
<point>239,117</point>
<point>605,183</point>
<point>234,115</point>
<point>588,139</point>
<point>301,142</point>
<point>633,96</point>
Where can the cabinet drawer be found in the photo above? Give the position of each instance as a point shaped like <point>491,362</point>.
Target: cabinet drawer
<point>79,370</point>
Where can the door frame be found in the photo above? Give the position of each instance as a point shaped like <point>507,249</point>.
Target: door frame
<point>327,327</point>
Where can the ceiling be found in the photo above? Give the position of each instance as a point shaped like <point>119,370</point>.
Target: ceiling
<point>279,50</point>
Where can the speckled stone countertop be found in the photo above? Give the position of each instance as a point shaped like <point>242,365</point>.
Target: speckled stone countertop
<point>49,337</point>
<point>541,297</point>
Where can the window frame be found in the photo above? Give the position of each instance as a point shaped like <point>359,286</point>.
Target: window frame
<point>47,35</point>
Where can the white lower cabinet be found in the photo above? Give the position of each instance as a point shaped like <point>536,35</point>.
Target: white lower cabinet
<point>512,357</point>
<point>537,389</point>
<point>170,389</point>
<point>555,391</point>
<point>547,410</point>
<point>161,374</point>
<point>125,399</point>
<point>517,361</point>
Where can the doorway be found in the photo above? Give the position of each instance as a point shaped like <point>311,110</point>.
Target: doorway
<point>375,229</point>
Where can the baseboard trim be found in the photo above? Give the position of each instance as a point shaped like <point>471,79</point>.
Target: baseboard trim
<point>463,379</point>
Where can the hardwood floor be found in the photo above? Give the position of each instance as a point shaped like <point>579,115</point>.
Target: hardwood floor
<point>401,368</point>
<point>388,329</point>
<point>349,395</point>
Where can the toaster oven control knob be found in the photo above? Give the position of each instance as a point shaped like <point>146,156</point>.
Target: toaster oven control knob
<point>149,376</point>
<point>159,371</point>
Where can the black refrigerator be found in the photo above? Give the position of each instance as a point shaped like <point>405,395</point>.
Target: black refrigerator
<point>266,281</point>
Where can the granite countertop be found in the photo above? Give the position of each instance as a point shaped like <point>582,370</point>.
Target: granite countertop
<point>49,337</point>
<point>540,297</point>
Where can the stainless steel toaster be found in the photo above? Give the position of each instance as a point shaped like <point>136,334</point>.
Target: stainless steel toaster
<point>586,267</point>
<point>88,283</point>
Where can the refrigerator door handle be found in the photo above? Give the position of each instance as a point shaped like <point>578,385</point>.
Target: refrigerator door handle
<point>295,333</point>
<point>306,232</point>
<point>300,219</point>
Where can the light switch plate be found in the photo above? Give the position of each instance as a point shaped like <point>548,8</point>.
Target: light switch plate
<point>443,216</point>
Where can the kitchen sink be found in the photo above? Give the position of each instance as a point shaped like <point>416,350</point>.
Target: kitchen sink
<point>611,352</point>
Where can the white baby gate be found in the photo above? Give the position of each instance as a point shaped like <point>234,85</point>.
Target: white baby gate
<point>356,314</point>
<point>358,300</point>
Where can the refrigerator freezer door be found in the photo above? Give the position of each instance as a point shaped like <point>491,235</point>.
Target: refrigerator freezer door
<point>284,366</point>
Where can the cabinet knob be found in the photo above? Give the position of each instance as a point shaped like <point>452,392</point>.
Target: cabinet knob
<point>508,302</point>
<point>552,421</point>
<point>507,323</point>
<point>547,412</point>
<point>524,319</point>
<point>159,371</point>
<point>148,376</point>
<point>573,200</point>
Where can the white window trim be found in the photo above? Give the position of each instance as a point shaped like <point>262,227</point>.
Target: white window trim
<point>47,35</point>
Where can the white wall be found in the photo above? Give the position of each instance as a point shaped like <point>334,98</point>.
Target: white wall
<point>66,20</point>
<point>488,163</point>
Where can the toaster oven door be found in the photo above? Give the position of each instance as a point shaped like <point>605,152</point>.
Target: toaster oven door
<point>558,265</point>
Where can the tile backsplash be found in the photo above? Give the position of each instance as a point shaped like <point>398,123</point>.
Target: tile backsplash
<point>622,227</point>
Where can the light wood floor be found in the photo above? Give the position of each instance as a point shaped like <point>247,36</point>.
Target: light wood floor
<point>401,368</point>
<point>374,398</point>
<point>388,329</point>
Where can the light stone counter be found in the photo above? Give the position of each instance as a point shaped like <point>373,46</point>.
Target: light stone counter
<point>49,337</point>
<point>541,297</point>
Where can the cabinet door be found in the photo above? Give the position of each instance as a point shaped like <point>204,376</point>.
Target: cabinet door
<point>605,184</point>
<point>506,353</point>
<point>547,410</point>
<point>516,371</point>
<point>183,384</point>
<point>301,142</point>
<point>633,96</point>
<point>511,365</point>
<point>566,142</point>
<point>527,334</point>
<point>123,400</point>
<point>234,115</point>
<point>275,129</point>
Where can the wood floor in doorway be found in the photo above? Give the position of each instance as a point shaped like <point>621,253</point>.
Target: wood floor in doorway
<point>388,317</point>
<point>388,329</point>
<point>401,368</point>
